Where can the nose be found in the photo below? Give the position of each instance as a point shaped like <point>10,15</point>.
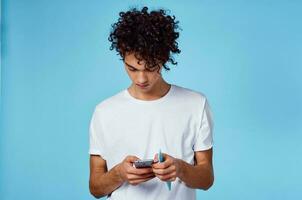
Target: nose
<point>142,78</point>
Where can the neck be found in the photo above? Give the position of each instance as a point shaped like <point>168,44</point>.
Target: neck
<point>159,90</point>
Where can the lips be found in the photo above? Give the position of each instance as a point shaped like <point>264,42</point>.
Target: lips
<point>142,86</point>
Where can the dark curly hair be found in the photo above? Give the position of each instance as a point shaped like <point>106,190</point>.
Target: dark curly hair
<point>150,36</point>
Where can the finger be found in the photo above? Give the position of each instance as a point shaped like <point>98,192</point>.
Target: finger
<point>162,165</point>
<point>134,176</point>
<point>140,171</point>
<point>168,170</point>
<point>166,177</point>
<point>138,181</point>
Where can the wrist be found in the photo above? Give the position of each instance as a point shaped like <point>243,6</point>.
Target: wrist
<point>180,168</point>
<point>117,170</point>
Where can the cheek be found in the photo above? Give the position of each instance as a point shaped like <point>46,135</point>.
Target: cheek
<point>155,77</point>
<point>131,75</point>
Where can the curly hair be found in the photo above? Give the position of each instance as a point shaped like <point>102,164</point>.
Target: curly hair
<point>150,36</point>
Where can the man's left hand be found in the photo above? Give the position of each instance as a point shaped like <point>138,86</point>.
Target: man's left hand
<point>168,170</point>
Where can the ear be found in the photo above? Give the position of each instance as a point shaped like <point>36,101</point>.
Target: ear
<point>160,69</point>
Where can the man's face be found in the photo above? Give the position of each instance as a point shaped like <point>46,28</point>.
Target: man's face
<point>142,79</point>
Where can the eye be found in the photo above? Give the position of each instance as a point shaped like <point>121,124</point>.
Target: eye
<point>131,69</point>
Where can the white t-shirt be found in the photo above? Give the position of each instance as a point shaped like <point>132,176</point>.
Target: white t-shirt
<point>178,123</point>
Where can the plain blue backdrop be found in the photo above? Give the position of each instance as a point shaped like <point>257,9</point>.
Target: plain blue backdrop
<point>245,56</point>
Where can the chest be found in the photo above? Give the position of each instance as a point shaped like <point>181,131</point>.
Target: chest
<point>142,133</point>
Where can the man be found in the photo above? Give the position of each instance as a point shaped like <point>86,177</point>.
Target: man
<point>150,115</point>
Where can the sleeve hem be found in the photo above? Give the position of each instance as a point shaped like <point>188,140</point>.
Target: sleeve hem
<point>96,152</point>
<point>203,148</point>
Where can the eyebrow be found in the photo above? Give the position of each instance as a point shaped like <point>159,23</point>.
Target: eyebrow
<point>130,65</point>
<point>136,68</point>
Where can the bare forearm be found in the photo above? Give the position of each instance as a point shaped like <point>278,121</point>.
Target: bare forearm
<point>196,176</point>
<point>103,184</point>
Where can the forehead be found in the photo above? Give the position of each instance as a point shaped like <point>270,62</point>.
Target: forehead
<point>133,61</point>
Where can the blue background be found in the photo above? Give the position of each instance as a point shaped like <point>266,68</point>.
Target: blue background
<point>245,56</point>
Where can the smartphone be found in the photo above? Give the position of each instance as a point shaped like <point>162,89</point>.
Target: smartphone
<point>143,163</point>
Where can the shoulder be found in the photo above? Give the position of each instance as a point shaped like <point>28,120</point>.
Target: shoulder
<point>111,102</point>
<point>190,95</point>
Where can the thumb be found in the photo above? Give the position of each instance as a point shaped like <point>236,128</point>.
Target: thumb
<point>155,158</point>
<point>165,156</point>
<point>131,159</point>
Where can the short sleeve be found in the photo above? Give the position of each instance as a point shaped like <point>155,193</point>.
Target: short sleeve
<point>96,146</point>
<point>204,135</point>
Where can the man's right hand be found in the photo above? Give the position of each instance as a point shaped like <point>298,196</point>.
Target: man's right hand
<point>131,174</point>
